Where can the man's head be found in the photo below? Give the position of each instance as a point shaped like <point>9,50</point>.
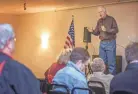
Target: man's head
<point>7,38</point>
<point>131,52</point>
<point>80,57</point>
<point>98,65</point>
<point>64,56</point>
<point>102,11</point>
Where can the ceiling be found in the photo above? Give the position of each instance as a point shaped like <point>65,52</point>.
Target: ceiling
<point>33,6</point>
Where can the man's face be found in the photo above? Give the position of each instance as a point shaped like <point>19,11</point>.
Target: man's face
<point>84,65</point>
<point>102,12</point>
<point>11,44</point>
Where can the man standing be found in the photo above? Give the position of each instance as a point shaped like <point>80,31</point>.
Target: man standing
<point>107,29</point>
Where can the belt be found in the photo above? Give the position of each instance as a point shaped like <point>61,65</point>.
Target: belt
<point>107,40</point>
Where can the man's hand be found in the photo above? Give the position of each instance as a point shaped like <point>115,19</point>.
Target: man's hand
<point>101,37</point>
<point>90,29</point>
<point>103,28</point>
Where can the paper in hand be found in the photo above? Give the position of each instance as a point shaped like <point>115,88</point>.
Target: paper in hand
<point>103,28</point>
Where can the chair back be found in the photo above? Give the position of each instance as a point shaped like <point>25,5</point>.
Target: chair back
<point>43,85</point>
<point>97,89</point>
<point>78,88</point>
<point>53,91</point>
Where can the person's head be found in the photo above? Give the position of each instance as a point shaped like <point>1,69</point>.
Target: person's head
<point>131,52</point>
<point>98,65</point>
<point>80,57</point>
<point>102,11</point>
<point>7,38</point>
<point>64,56</point>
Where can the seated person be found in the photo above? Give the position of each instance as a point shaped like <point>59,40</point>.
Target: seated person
<point>15,78</point>
<point>127,81</point>
<point>61,63</point>
<point>98,68</point>
<point>73,74</point>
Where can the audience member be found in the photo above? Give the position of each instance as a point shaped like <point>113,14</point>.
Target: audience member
<point>98,68</point>
<point>59,64</point>
<point>127,80</point>
<point>15,78</point>
<point>72,75</point>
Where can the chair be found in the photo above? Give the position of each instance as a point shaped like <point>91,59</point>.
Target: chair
<point>96,89</point>
<point>78,88</point>
<point>43,85</point>
<point>52,91</point>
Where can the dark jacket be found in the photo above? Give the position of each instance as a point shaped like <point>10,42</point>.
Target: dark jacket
<point>18,77</point>
<point>111,28</point>
<point>126,81</point>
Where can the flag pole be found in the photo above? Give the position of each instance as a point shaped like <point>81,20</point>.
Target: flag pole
<point>73,21</point>
<point>72,17</point>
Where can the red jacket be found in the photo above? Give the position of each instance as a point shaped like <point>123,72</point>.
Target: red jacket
<point>51,72</point>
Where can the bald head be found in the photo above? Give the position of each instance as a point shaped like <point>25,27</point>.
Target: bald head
<point>102,11</point>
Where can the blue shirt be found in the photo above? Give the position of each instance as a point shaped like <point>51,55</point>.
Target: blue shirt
<point>71,76</point>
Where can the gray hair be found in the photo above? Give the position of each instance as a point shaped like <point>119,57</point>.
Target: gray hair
<point>103,8</point>
<point>6,33</point>
<point>131,52</point>
<point>64,56</point>
<point>98,65</point>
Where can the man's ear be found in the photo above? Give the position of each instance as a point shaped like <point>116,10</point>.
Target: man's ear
<point>79,62</point>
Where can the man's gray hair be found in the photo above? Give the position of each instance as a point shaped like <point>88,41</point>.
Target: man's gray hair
<point>131,52</point>
<point>103,8</point>
<point>6,33</point>
<point>98,65</point>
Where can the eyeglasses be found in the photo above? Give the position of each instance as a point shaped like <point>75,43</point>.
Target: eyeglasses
<point>13,38</point>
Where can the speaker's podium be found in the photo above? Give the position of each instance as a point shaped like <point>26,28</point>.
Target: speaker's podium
<point>118,63</point>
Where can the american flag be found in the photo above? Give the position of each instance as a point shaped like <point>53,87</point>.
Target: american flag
<point>70,39</point>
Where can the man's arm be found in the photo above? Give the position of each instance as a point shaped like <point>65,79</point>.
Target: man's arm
<point>64,79</point>
<point>96,31</point>
<point>114,28</point>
